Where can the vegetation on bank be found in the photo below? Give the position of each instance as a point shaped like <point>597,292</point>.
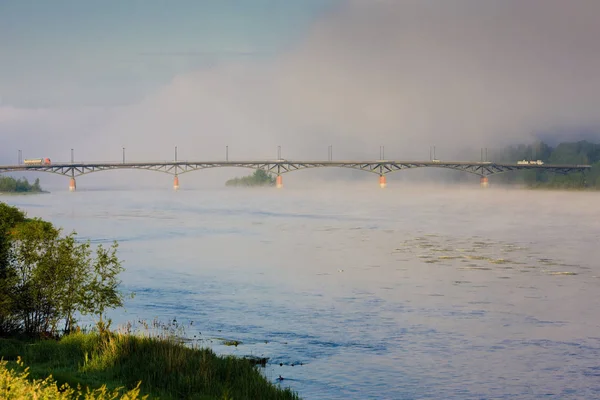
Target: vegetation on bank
<point>15,384</point>
<point>22,185</point>
<point>582,152</point>
<point>46,280</point>
<point>160,367</point>
<point>258,178</point>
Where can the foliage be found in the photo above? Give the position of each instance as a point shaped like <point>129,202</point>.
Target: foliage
<point>581,152</point>
<point>47,278</point>
<point>166,367</point>
<point>22,185</point>
<point>258,178</point>
<point>14,384</point>
<point>9,217</point>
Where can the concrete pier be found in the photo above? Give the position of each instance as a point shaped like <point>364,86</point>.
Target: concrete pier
<point>382,181</point>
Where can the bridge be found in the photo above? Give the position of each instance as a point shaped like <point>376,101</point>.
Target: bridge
<point>280,167</point>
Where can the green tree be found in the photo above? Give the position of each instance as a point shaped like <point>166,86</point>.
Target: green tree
<point>12,185</point>
<point>46,278</point>
<point>33,264</point>
<point>71,278</point>
<point>9,218</point>
<point>102,290</point>
<point>581,152</point>
<point>260,177</point>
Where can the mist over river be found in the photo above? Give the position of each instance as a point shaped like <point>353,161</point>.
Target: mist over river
<point>411,292</point>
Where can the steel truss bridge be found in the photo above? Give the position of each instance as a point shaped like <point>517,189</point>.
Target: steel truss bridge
<point>279,167</point>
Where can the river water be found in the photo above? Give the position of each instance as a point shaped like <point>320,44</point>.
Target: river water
<point>404,293</point>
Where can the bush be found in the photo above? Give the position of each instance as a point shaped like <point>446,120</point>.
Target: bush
<point>46,278</point>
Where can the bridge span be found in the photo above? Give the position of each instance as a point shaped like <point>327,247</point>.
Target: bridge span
<point>280,167</point>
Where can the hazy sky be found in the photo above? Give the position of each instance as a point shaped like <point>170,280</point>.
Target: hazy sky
<point>149,75</point>
<point>74,53</point>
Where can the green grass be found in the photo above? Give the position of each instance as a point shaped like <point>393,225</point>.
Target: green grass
<point>15,384</point>
<point>166,368</point>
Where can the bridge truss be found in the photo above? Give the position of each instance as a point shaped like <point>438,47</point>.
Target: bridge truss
<point>382,167</point>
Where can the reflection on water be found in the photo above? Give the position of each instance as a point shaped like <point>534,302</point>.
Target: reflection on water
<point>366,293</point>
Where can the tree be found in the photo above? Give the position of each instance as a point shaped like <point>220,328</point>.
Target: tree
<point>46,278</point>
<point>71,278</point>
<point>9,218</point>
<point>581,152</point>
<point>32,247</point>
<point>9,184</point>
<point>102,289</point>
<point>259,178</point>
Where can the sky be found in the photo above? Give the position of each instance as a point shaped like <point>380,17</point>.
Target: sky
<point>253,75</point>
<point>109,53</point>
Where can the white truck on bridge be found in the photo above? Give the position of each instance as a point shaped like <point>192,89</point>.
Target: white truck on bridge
<point>525,162</point>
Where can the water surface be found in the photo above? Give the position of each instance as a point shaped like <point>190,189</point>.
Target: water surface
<point>402,293</point>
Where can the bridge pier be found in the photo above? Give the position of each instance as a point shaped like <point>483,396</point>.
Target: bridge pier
<point>176,183</point>
<point>484,182</point>
<point>382,181</point>
<point>72,185</point>
<point>279,182</point>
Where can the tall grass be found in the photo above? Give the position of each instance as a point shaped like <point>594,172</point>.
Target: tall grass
<point>14,384</point>
<point>165,366</point>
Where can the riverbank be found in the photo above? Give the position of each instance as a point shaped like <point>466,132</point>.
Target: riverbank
<point>9,184</point>
<point>23,193</point>
<point>258,179</point>
<point>162,367</point>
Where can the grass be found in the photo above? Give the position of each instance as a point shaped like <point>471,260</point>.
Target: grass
<point>118,362</point>
<point>15,384</point>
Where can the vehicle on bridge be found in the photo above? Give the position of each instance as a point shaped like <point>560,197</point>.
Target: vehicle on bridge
<point>484,169</point>
<point>525,162</point>
<point>37,161</point>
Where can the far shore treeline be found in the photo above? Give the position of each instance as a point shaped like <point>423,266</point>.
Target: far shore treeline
<point>258,178</point>
<point>582,152</point>
<point>22,185</point>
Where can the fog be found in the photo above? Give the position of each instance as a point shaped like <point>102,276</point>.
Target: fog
<point>408,74</point>
<point>410,292</point>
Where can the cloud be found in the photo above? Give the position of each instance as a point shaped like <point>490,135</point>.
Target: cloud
<point>404,74</point>
<point>453,73</point>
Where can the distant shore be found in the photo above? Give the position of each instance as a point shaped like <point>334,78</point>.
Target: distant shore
<point>10,185</point>
<point>23,193</point>
<point>258,179</point>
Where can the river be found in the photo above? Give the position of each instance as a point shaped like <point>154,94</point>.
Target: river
<point>411,292</point>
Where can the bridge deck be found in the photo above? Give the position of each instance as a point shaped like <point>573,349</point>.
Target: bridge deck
<point>380,167</point>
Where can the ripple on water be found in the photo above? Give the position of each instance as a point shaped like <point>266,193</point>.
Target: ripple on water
<point>406,329</point>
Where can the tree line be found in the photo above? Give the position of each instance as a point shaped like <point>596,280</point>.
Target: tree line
<point>258,178</point>
<point>581,152</point>
<point>47,279</point>
<point>22,185</point>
